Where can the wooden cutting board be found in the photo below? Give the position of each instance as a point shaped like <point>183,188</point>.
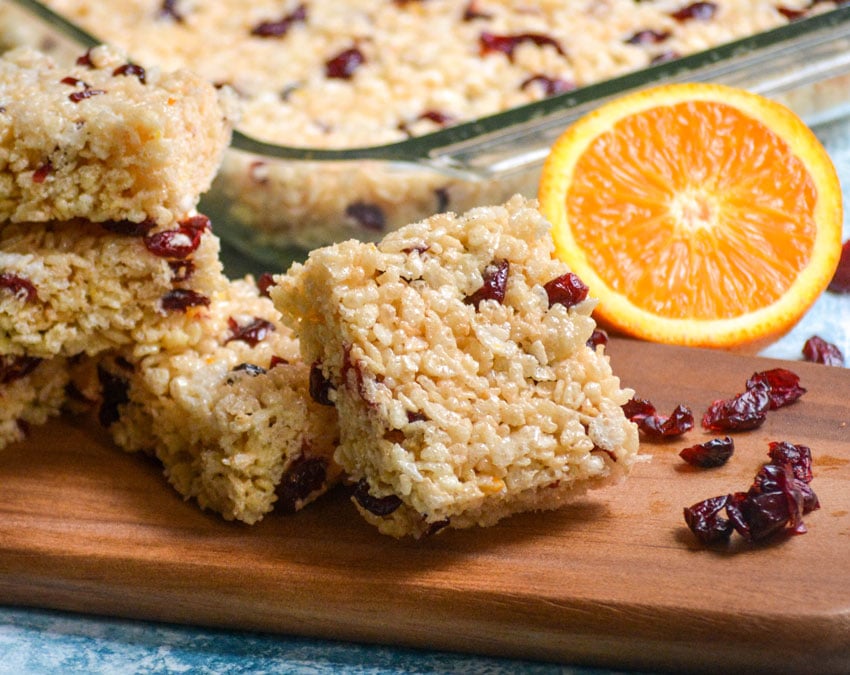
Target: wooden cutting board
<point>614,579</point>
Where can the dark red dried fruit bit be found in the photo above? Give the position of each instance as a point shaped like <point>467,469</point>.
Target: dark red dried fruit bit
<point>380,506</point>
<point>745,411</point>
<point>437,526</point>
<point>471,12</point>
<point>659,426</point>
<point>78,96</point>
<point>495,284</point>
<point>507,44</point>
<point>701,11</point>
<point>74,82</point>
<point>799,457</point>
<point>437,116</point>
<point>277,361</point>
<point>368,216</point>
<point>181,270</point>
<point>41,173</point>
<point>637,408</point>
<point>792,14</point>
<point>305,476</point>
<point>841,279</point>
<point>648,37</point>
<point>131,69</point>
<point>416,416</point>
<point>783,386</point>
<point>180,243</point>
<point>251,369</point>
<point>181,299</point>
<point>664,57</point>
<point>85,60</point>
<point>552,86</point>
<point>169,10</point>
<point>818,350</point>
<point>597,337</point>
<point>320,386</point>
<point>265,283</point>
<point>343,65</point>
<point>15,367</point>
<point>252,333</point>
<point>705,521</point>
<point>280,27</point>
<point>22,289</point>
<point>710,454</point>
<point>128,227</point>
<point>567,290</point>
<point>115,392</point>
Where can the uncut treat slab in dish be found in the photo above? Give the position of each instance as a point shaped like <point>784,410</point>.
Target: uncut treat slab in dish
<point>322,75</point>
<point>103,139</point>
<point>457,410</point>
<point>229,417</point>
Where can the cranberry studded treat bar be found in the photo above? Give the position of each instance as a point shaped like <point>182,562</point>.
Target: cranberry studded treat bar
<point>455,352</point>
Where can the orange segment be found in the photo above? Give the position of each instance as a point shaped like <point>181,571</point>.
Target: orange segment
<point>696,213</point>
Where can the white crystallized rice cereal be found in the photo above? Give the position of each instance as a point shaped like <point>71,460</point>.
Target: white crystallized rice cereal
<point>31,391</point>
<point>104,139</point>
<point>457,410</point>
<point>230,418</point>
<point>77,287</point>
<point>331,74</point>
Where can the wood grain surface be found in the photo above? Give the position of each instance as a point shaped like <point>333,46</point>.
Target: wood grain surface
<point>614,579</point>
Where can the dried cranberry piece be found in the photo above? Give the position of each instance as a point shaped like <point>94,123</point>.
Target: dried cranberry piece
<point>131,69</point>
<point>701,11</point>
<point>704,520</point>
<point>16,367</point>
<point>252,333</point>
<point>22,289</point>
<point>664,57</point>
<point>799,457</point>
<point>416,416</point>
<point>41,173</point>
<point>495,284</point>
<point>320,386</point>
<point>128,227</point>
<point>437,116</point>
<point>745,411</point>
<point>818,350</point>
<point>567,290</point>
<point>710,454</point>
<point>343,65</point>
<point>305,476</point>
<point>277,361</point>
<point>648,37</point>
<point>78,96</point>
<point>659,426</point>
<point>368,216</point>
<point>552,86</point>
<point>180,243</point>
<point>436,526</point>
<point>181,270</point>
<point>783,386</point>
<point>85,60</point>
<point>507,44</point>
<point>597,337</point>
<point>792,14</point>
<point>637,408</point>
<point>74,82</point>
<point>169,10</point>
<point>115,392</point>
<point>380,506</point>
<point>280,27</point>
<point>265,283</point>
<point>180,299</point>
<point>841,279</point>
<point>471,12</point>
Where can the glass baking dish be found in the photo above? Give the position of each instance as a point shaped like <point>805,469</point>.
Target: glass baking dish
<point>273,202</point>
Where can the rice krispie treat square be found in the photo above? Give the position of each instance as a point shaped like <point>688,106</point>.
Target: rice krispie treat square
<point>455,353</point>
<point>106,139</point>
<point>230,418</point>
<point>68,288</point>
<point>31,391</point>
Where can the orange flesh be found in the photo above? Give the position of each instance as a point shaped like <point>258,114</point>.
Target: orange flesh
<point>692,216</point>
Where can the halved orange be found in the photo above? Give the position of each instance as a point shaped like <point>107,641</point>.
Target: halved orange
<point>698,214</point>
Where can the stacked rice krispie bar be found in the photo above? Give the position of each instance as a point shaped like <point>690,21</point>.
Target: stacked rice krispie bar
<point>329,74</point>
<point>113,297</point>
<point>455,352</point>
